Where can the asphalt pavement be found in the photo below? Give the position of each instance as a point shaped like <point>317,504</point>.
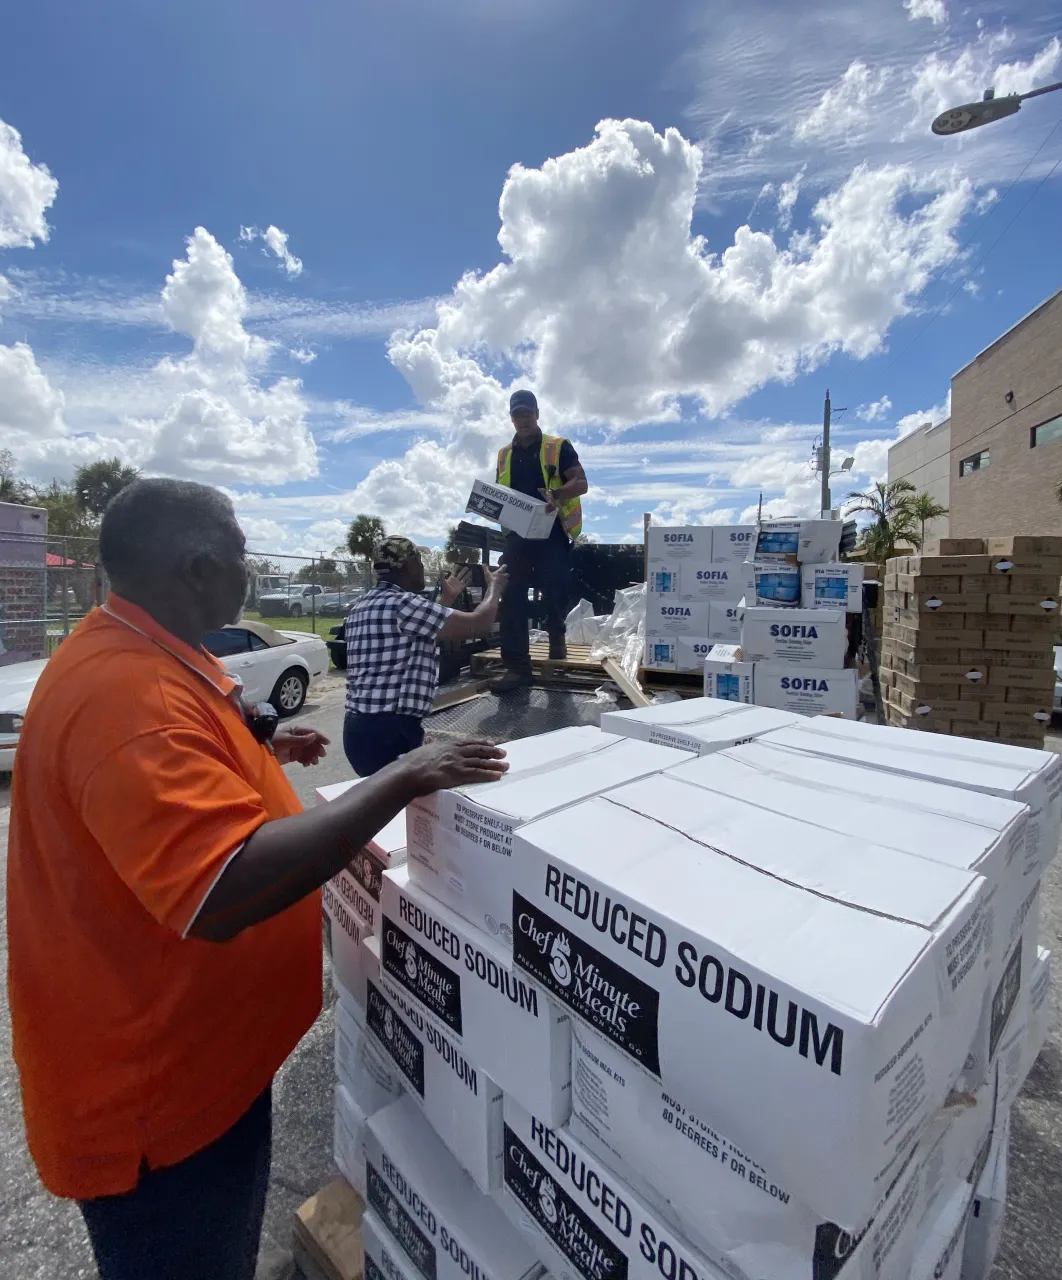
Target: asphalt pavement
<point>43,1239</point>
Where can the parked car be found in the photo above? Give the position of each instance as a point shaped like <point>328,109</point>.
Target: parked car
<point>275,666</point>
<point>289,602</point>
<point>16,684</point>
<point>1057,704</point>
<point>336,604</point>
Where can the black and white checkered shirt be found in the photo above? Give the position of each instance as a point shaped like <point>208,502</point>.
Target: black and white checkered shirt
<point>392,661</point>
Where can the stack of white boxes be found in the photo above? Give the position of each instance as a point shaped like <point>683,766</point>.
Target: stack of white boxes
<point>716,992</point>
<point>793,633</point>
<point>805,990</point>
<point>696,577</point>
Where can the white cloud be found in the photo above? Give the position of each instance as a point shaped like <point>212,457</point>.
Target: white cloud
<point>303,354</point>
<point>614,312</point>
<point>788,193</point>
<point>27,192</point>
<point>875,410</point>
<point>943,81</point>
<point>935,10</point>
<point>209,414</point>
<point>846,107</point>
<point>29,404</point>
<point>276,242</point>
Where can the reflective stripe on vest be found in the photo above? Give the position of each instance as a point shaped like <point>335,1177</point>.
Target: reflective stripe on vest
<point>570,510</point>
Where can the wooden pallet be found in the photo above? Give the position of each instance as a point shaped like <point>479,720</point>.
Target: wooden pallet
<point>326,1234</point>
<point>577,664</point>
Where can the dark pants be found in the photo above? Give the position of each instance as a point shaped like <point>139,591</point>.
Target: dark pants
<point>197,1220</point>
<point>370,742</point>
<point>543,565</point>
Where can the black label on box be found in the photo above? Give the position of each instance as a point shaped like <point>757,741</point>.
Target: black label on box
<point>1005,999</point>
<point>614,1002</point>
<point>368,870</point>
<point>571,1230</point>
<point>833,1247</point>
<point>419,1249</point>
<point>401,1045</point>
<point>434,984</point>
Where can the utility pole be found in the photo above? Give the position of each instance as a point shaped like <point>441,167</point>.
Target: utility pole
<point>825,458</point>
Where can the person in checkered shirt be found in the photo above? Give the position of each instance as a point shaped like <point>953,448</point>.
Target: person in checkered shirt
<point>392,637</point>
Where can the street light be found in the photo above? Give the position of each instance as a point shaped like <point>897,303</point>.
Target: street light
<point>972,115</point>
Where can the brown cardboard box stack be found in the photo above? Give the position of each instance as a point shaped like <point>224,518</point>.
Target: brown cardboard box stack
<point>969,635</point>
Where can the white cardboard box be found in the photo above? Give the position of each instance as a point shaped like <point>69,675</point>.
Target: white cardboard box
<point>724,622</point>
<point>447,1227</point>
<point>348,1139</point>
<point>807,691</point>
<point>984,1228</point>
<point>1017,773</point>
<point>811,637</point>
<point>464,983</point>
<point>809,541</point>
<point>663,578</point>
<point>832,586</point>
<point>667,617</point>
<point>731,542</point>
<point>345,930</point>
<point>728,1206</point>
<point>584,1221</point>
<point>368,1076</point>
<point>359,883</point>
<point>776,585</point>
<point>462,1103</point>
<point>460,841</point>
<point>726,676</point>
<point>680,544</point>
<point>513,511</point>
<point>713,581</point>
<point>1041,1011</point>
<point>701,725</point>
<point>978,832</point>
<point>754,959</point>
<point>683,654</point>
<point>384,1259</point>
<point>939,1253</point>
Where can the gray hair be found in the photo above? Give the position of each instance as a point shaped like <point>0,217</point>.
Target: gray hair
<point>152,524</point>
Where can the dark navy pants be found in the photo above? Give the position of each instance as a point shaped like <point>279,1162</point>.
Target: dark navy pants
<point>543,565</point>
<point>370,742</point>
<point>197,1220</point>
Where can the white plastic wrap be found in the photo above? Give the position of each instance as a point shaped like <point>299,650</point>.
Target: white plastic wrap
<point>622,635</point>
<point>582,625</point>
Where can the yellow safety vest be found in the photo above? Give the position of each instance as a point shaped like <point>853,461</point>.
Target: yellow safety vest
<point>570,510</point>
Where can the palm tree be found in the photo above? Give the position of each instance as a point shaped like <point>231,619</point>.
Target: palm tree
<point>364,534</point>
<point>96,483</point>
<point>12,488</point>
<point>890,505</point>
<point>925,508</point>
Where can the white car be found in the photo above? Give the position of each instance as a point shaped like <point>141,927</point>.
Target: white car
<point>275,666</point>
<point>16,684</point>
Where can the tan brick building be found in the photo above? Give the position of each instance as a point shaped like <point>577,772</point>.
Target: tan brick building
<point>1006,432</point>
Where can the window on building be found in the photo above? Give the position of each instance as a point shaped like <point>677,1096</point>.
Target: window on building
<point>975,462</point>
<point>1050,430</point>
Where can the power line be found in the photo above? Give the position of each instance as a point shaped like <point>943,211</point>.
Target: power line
<point>984,431</point>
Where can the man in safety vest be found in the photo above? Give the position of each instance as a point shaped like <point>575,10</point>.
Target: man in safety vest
<point>545,467</point>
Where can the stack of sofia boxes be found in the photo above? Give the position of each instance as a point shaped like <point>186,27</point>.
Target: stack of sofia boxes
<point>969,635</point>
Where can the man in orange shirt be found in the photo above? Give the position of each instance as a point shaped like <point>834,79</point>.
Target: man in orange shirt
<point>164,921</point>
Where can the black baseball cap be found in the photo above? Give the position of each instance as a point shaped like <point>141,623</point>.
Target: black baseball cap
<point>523,401</point>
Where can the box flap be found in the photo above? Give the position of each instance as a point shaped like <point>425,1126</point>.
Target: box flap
<point>688,711</point>
<point>850,959</point>
<point>819,802</point>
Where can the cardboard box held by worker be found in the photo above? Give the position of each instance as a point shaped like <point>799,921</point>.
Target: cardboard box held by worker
<point>512,510</point>
<point>714,944</point>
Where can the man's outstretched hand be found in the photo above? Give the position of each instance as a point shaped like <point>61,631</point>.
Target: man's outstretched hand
<point>453,584</point>
<point>452,764</point>
<point>294,744</point>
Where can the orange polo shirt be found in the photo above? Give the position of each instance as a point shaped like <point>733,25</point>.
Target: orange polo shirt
<point>135,783</point>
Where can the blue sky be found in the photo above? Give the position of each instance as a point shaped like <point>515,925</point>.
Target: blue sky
<point>260,247</point>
